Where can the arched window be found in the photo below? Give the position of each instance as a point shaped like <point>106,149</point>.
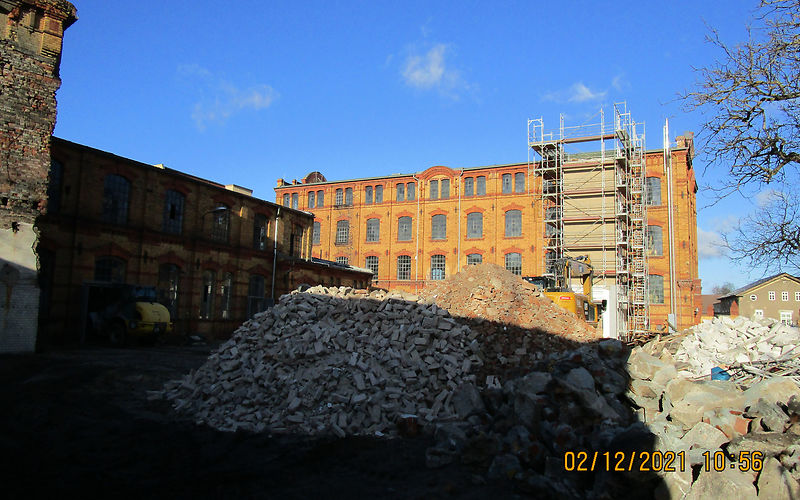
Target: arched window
<point>469,186</point>
<point>513,223</point>
<point>255,295</point>
<point>368,195</point>
<point>439,227</point>
<point>438,267</point>
<point>260,232</point>
<point>475,225</point>
<point>339,200</point>
<point>173,212</point>
<point>116,191</point>
<point>168,286</point>
<point>226,290</point>
<point>404,267</point>
<point>316,235</point>
<point>474,259</point>
<point>652,191</point>
<point>109,269</point>
<point>371,263</point>
<point>404,228</point>
<point>655,284</point>
<point>348,196</point>
<point>295,201</point>
<point>519,182</point>
<point>320,199</point>
<point>342,232</point>
<point>411,193</point>
<point>220,223</point>
<point>480,185</point>
<point>514,263</point>
<point>655,244</point>
<point>373,230</point>
<point>207,297</point>
<point>401,192</point>
<point>311,199</point>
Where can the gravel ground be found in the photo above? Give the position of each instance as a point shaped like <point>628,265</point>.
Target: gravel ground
<point>78,422</point>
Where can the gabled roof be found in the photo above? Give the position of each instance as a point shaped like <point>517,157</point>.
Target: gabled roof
<point>743,291</point>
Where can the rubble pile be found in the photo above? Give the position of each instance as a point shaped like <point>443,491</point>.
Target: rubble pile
<point>494,295</point>
<point>334,361</point>
<point>749,349</point>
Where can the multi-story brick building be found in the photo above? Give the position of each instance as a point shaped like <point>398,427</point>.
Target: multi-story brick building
<point>414,228</point>
<point>215,253</point>
<point>31,33</point>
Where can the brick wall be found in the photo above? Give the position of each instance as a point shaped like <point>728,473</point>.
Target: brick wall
<point>31,32</point>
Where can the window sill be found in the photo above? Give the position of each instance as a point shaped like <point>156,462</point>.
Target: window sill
<point>513,237</point>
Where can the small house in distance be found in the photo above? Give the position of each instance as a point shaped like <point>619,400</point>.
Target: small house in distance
<point>776,297</point>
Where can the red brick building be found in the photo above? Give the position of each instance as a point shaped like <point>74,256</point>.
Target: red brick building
<point>215,253</point>
<point>411,229</point>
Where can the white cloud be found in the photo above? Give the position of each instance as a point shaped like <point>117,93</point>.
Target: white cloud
<point>767,196</point>
<point>430,71</point>
<point>219,99</point>
<point>577,92</point>
<point>710,244</point>
<point>620,83</point>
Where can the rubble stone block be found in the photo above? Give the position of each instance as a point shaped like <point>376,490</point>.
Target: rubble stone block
<point>730,484</point>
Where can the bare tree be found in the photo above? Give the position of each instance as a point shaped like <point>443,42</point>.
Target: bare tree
<point>725,288</point>
<point>751,97</point>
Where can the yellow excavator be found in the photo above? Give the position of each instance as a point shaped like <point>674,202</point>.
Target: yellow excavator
<point>571,274</point>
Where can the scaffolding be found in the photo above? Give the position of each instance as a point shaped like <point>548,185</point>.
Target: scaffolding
<point>592,202</point>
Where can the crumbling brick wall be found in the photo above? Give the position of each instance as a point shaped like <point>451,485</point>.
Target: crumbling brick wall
<point>31,33</point>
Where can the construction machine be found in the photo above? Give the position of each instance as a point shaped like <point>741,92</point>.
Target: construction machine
<point>122,312</point>
<point>570,287</point>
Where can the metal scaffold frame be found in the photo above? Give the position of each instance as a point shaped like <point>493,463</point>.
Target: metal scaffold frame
<point>583,212</point>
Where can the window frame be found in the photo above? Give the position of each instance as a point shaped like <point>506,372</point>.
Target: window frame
<point>439,227</point>
<point>656,293</point>
<point>471,261</point>
<point>373,230</point>
<point>411,191</point>
<point>342,232</point>
<point>348,197</point>
<point>256,301</point>
<point>320,198</point>
<point>338,200</point>
<point>312,196</point>
<point>469,186</point>
<point>480,185</point>
<point>474,225</point>
<point>316,233</point>
<point>753,297</point>
<point>771,295</point>
<point>220,224</point>
<point>174,205</point>
<point>295,201</point>
<point>654,250</point>
<point>519,182</point>
<point>513,223</point>
<point>209,277</point>
<point>513,263</point>
<point>506,184</point>
<point>379,194</point>
<point>116,199</point>
<point>785,296</point>
<point>444,189</point>
<point>400,191</point>
<point>404,267</point>
<point>369,260</point>
<point>652,191</point>
<point>438,267</point>
<point>260,231</point>
<point>368,195</point>
<point>405,228</point>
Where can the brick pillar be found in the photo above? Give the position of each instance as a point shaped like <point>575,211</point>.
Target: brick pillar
<point>31,33</point>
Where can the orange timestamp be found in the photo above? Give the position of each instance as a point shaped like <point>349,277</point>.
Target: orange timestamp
<point>620,461</point>
<point>658,461</point>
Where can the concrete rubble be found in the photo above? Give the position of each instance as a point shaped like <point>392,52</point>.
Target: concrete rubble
<point>343,362</point>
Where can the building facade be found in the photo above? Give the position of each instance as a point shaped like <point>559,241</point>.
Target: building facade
<point>416,228</point>
<point>216,254</point>
<point>31,33</point>
<point>776,297</point>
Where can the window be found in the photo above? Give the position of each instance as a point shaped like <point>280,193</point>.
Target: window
<point>368,195</point>
<point>220,223</point>
<point>786,317</point>
<point>260,232</point>
<point>116,191</point>
<point>753,297</point>
<point>433,189</point>
<point>109,269</point>
<point>339,200</point>
<point>474,259</point>
<point>255,295</point>
<point>320,199</point>
<point>316,233</point>
<point>311,199</point>
<point>654,237</point>
<point>296,241</point>
<point>519,182</point>
<point>173,212</point>
<point>445,189</point>
<point>225,292</point>
<point>207,301</point>
<point>514,263</point>
<point>371,263</point>
<point>342,232</point>
<point>286,199</point>
<point>469,186</point>
<point>439,227</point>
<point>475,225</point>
<point>348,196</point>
<point>771,295</point>
<point>506,183</point>
<point>378,194</point>
<point>656,285</point>
<point>404,267</point>
<point>785,296</point>
<point>758,314</point>
<point>401,192</point>
<point>411,191</point>
<point>168,277</point>
<point>797,296</point>
<point>480,185</point>
<point>54,187</point>
<point>513,223</point>
<point>342,261</point>
<point>295,200</point>
<point>404,229</point>
<point>437,267</point>
<point>652,191</point>
<point>373,229</point>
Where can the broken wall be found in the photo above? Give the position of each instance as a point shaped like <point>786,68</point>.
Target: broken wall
<point>31,32</point>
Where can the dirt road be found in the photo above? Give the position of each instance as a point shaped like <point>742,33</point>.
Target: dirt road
<point>78,422</point>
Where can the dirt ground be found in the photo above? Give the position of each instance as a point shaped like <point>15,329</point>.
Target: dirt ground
<point>78,422</point>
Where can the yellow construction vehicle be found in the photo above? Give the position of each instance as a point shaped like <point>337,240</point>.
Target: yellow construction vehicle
<point>571,287</point>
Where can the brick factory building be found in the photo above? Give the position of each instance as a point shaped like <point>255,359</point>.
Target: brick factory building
<point>610,202</point>
<point>207,248</point>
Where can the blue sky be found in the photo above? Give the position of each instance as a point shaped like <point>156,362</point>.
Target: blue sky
<point>255,91</point>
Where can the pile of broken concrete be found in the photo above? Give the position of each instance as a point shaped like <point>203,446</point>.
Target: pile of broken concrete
<point>332,361</point>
